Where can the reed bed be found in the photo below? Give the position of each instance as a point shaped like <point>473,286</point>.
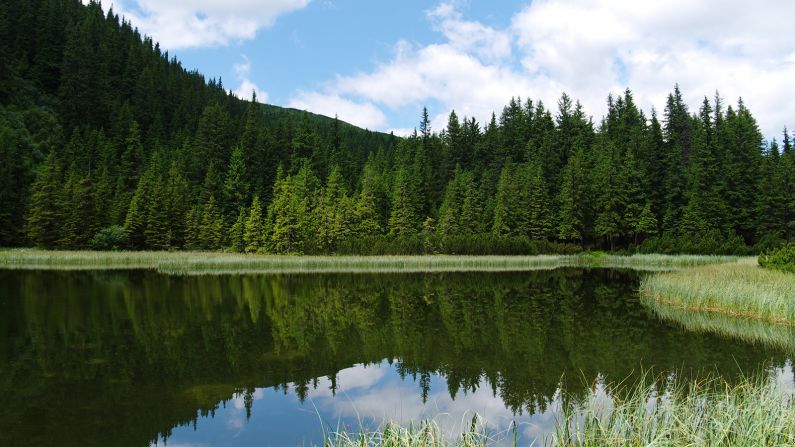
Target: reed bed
<point>426,433</point>
<point>232,263</point>
<point>707,413</point>
<point>739,289</point>
<point>755,412</point>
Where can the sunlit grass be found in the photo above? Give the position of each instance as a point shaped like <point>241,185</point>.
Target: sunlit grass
<point>756,412</point>
<point>741,289</point>
<point>221,263</point>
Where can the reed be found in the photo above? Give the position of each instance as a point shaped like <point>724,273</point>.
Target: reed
<point>711,412</point>
<point>739,289</point>
<point>707,413</point>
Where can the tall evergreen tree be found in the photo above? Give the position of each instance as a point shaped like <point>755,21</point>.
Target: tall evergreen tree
<point>253,235</point>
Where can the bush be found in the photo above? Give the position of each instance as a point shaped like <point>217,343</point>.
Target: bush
<point>779,259</point>
<point>109,238</point>
<point>711,242</point>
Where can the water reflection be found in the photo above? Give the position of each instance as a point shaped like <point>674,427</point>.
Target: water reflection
<point>128,358</point>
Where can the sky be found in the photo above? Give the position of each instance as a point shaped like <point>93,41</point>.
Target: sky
<point>377,63</point>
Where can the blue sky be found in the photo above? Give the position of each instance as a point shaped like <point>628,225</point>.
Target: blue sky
<point>377,63</point>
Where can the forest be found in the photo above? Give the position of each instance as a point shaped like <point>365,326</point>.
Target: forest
<point>107,142</point>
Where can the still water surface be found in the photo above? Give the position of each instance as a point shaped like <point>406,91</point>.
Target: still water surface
<point>137,358</point>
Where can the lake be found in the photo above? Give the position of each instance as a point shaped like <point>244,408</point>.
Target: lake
<point>138,358</point>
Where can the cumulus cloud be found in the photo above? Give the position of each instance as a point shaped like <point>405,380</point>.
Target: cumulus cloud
<point>198,23</point>
<point>361,113</point>
<point>588,48</point>
<point>247,87</point>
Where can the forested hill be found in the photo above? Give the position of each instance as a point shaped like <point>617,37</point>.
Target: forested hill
<point>90,106</point>
<point>106,142</point>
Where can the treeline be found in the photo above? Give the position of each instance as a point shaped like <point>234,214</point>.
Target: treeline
<point>108,143</point>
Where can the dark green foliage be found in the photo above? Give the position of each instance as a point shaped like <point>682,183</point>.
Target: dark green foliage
<point>779,259</point>
<point>109,238</point>
<point>252,233</point>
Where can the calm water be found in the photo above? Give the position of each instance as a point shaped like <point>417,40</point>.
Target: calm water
<point>139,358</point>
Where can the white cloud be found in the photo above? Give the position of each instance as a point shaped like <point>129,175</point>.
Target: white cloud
<point>362,114</point>
<point>198,23</point>
<point>486,42</point>
<point>243,72</point>
<point>589,48</point>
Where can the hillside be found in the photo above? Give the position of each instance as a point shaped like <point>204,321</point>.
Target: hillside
<point>83,94</point>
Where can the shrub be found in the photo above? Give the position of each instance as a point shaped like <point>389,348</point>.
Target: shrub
<point>109,238</point>
<point>779,259</point>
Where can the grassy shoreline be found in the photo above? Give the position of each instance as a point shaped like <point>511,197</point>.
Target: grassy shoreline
<point>739,289</point>
<point>226,263</point>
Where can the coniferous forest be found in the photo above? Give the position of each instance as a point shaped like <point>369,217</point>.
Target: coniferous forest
<point>107,142</point>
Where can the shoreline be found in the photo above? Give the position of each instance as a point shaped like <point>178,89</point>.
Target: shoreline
<point>233,263</point>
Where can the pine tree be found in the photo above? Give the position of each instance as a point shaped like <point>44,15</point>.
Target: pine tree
<point>237,231</point>
<point>158,229</point>
<point>504,206</point>
<point>771,199</point>
<point>77,209</point>
<point>572,199</point>
<point>193,228</point>
<point>646,224</point>
<point>137,214</point>
<point>450,210</point>
<point>177,202</point>
<point>211,229</point>
<point>405,216</point>
<point>284,235</point>
<point>254,231</point>
<point>236,190</point>
<point>540,222</point>
<point>367,220</point>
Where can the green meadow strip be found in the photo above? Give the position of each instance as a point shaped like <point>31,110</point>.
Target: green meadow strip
<point>231,263</point>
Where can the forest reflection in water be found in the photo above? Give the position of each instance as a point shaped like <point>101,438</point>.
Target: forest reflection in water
<point>131,357</point>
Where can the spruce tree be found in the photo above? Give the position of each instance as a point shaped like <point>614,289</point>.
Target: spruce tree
<point>404,218</point>
<point>254,232</point>
<point>211,228</point>
<point>237,231</point>
<point>236,190</point>
<point>572,199</point>
<point>540,218</point>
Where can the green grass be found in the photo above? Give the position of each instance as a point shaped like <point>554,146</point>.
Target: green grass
<point>739,289</point>
<point>755,412</point>
<point>707,413</point>
<point>222,263</point>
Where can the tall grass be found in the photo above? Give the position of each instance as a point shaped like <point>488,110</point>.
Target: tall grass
<point>427,434</point>
<point>755,412</point>
<point>707,413</point>
<point>741,289</point>
<point>221,263</point>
